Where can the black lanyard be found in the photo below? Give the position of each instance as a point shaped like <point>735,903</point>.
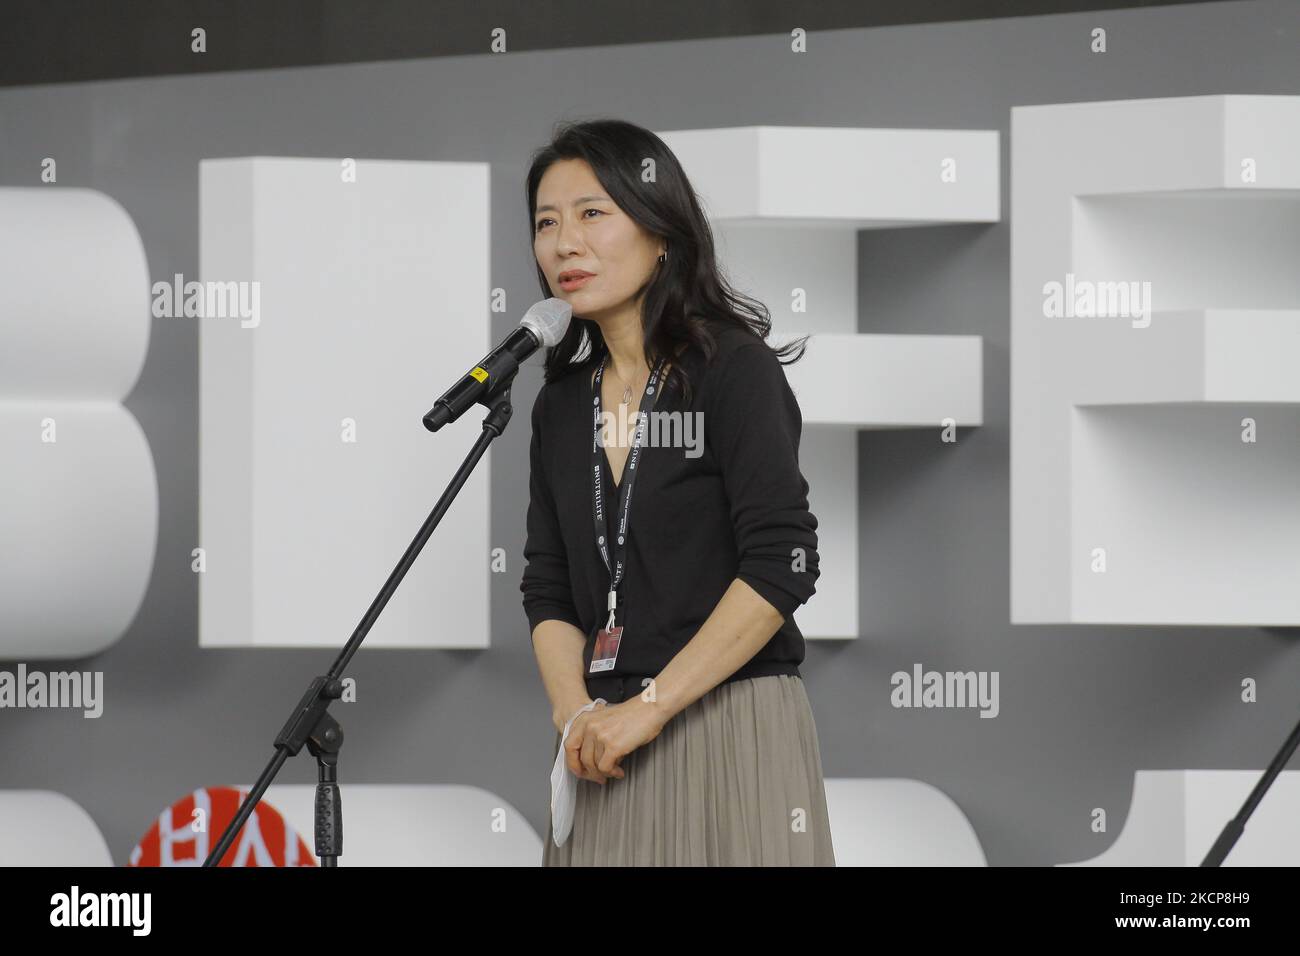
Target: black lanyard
<point>648,400</point>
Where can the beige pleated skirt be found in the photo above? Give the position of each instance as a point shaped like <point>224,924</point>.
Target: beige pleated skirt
<point>734,779</point>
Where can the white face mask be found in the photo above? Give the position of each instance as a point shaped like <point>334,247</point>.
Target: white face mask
<point>564,785</point>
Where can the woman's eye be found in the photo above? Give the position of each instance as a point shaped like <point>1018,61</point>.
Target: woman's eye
<point>543,222</point>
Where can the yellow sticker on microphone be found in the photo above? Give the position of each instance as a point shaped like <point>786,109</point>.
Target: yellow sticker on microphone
<point>478,373</point>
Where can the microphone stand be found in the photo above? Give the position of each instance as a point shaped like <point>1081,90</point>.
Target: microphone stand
<point>310,723</point>
<point>1235,827</point>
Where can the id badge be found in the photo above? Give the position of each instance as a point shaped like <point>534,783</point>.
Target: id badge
<point>606,650</point>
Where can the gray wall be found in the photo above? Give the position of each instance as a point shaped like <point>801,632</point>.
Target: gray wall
<point>1082,708</point>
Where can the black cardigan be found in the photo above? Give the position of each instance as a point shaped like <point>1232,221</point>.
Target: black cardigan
<point>737,510</point>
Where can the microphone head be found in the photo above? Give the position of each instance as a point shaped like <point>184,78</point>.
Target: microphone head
<point>548,320</point>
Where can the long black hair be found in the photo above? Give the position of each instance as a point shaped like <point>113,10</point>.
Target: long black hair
<point>686,293</point>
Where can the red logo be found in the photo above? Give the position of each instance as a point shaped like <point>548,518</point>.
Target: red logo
<point>186,832</point>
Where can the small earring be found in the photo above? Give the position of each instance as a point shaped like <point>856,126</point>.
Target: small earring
<point>663,257</point>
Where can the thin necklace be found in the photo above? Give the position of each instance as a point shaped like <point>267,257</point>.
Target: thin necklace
<point>627,389</point>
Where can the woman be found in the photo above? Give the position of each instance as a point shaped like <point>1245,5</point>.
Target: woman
<point>662,578</point>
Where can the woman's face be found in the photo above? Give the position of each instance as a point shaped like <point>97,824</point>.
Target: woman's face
<point>577,228</point>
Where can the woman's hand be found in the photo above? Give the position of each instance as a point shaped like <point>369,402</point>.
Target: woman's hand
<point>603,736</point>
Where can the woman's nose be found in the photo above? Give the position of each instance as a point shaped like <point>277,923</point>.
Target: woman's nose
<point>568,237</point>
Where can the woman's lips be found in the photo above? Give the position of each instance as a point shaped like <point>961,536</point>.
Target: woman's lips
<point>575,282</point>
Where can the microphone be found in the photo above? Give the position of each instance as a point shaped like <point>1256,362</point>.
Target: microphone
<point>543,324</point>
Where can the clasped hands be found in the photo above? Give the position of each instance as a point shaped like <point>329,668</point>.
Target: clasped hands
<point>601,737</point>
